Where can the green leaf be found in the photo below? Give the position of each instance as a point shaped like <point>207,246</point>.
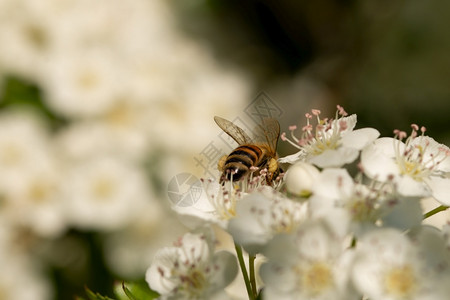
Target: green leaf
<point>136,291</point>
<point>96,296</point>
<point>17,92</point>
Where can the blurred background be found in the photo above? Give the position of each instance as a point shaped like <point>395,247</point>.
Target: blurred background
<point>103,102</point>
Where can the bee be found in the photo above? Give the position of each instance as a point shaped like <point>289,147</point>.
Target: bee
<point>257,153</point>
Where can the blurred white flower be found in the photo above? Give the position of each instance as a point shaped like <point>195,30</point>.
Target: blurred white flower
<point>388,267</point>
<point>332,143</point>
<point>35,202</point>
<point>446,234</point>
<point>308,264</point>
<point>105,193</point>
<point>84,83</point>
<point>19,281</point>
<point>24,146</point>
<point>344,204</point>
<point>130,250</point>
<point>263,214</point>
<point>300,179</point>
<point>123,130</point>
<point>191,269</point>
<point>27,37</point>
<point>418,166</point>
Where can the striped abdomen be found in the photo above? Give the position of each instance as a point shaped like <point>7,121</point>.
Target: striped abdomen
<point>239,162</point>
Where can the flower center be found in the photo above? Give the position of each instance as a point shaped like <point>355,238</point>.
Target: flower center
<point>39,191</point>
<point>11,155</point>
<point>420,157</point>
<point>103,188</point>
<point>400,281</point>
<point>361,209</point>
<point>224,202</point>
<point>317,278</point>
<point>193,282</point>
<point>326,135</point>
<point>88,80</point>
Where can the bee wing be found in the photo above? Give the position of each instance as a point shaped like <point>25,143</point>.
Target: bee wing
<point>268,133</point>
<point>237,133</point>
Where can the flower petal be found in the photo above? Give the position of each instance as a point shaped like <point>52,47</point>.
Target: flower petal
<point>409,187</point>
<point>226,269</point>
<point>360,138</point>
<point>290,159</point>
<point>335,158</point>
<point>378,160</point>
<point>440,189</point>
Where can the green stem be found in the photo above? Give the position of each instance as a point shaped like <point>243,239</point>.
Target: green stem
<point>434,211</point>
<point>240,257</point>
<point>251,266</point>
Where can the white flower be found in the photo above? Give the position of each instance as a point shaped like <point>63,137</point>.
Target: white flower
<point>104,193</point>
<point>344,204</point>
<point>24,146</point>
<point>191,269</point>
<point>300,178</point>
<point>35,201</point>
<point>418,166</point>
<point>83,83</point>
<point>310,264</point>
<point>130,250</point>
<point>27,36</point>
<point>261,215</point>
<point>15,275</point>
<point>332,143</point>
<point>388,267</point>
<point>217,204</point>
<point>121,130</point>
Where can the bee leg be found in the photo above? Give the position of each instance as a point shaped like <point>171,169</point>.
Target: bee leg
<point>221,163</point>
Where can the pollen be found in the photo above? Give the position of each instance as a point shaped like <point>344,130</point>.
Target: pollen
<point>88,80</point>
<point>39,192</point>
<point>103,188</point>
<point>10,155</point>
<point>400,281</point>
<point>317,278</point>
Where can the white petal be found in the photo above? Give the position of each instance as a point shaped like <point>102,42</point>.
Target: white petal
<point>445,165</point>
<point>316,242</point>
<point>337,218</point>
<point>440,189</point>
<point>335,158</point>
<point>360,138</point>
<point>280,277</point>
<point>350,122</point>
<point>366,278</point>
<point>432,246</point>
<point>404,215</point>
<point>226,268</point>
<point>334,184</point>
<point>378,160</point>
<point>163,262</point>
<point>246,228</point>
<point>409,187</point>
<point>290,159</point>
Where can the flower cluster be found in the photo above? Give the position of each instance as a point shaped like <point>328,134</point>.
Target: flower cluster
<point>346,222</point>
<point>89,91</point>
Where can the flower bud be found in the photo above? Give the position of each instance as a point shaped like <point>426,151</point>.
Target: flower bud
<point>300,179</point>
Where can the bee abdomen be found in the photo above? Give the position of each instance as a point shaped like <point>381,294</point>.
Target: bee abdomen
<point>240,160</point>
